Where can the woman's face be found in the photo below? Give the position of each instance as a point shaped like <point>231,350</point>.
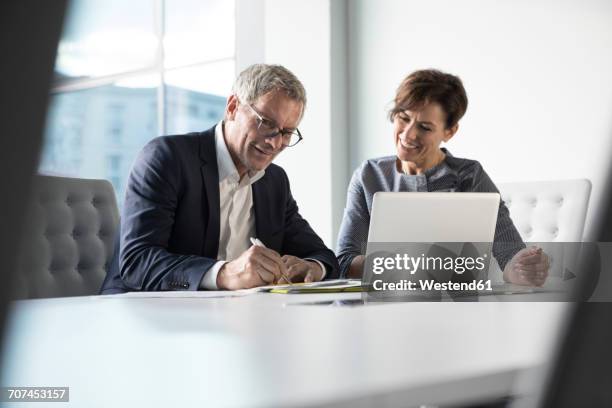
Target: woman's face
<point>418,135</point>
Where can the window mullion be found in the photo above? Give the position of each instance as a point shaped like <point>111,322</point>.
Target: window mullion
<point>160,14</point>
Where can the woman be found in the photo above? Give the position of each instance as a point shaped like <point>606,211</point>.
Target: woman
<point>427,108</point>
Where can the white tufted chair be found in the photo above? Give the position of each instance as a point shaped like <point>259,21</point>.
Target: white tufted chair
<point>68,243</point>
<point>548,211</point>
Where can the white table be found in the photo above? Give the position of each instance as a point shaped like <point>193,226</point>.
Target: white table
<point>266,350</point>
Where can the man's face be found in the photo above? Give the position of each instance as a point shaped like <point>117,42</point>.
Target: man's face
<point>250,150</point>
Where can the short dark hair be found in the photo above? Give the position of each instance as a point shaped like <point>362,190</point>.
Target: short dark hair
<point>430,85</point>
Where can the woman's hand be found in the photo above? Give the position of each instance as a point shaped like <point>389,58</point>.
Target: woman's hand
<point>529,267</point>
<point>356,268</point>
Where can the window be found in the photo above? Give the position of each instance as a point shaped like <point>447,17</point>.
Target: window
<point>127,72</point>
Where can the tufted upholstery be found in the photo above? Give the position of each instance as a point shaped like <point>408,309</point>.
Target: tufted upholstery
<point>548,211</point>
<point>70,232</point>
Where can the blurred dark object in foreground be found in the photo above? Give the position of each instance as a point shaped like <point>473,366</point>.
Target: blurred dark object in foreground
<point>29,34</point>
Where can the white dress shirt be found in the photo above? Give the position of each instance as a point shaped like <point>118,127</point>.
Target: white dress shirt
<point>237,219</point>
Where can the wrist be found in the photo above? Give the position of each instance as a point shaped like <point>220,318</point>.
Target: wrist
<point>507,273</point>
<point>317,269</point>
<point>356,267</point>
<point>505,276</point>
<point>221,278</point>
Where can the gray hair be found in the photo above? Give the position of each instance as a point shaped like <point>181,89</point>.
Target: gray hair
<point>259,79</point>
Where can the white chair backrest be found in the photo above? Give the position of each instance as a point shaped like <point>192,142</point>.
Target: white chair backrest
<point>548,211</point>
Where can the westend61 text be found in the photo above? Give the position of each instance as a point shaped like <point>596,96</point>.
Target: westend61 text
<point>404,284</point>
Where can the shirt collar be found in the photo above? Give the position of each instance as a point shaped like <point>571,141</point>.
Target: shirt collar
<point>225,164</point>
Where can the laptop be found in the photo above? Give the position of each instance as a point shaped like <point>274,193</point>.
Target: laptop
<point>449,220</point>
<point>433,217</point>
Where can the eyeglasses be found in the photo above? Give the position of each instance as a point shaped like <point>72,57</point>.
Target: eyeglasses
<point>267,128</point>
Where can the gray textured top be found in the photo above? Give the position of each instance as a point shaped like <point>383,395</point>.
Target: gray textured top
<point>381,174</point>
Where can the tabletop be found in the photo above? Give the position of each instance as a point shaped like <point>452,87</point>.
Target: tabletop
<point>266,350</point>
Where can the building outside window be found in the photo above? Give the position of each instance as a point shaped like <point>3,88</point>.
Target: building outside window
<point>127,72</point>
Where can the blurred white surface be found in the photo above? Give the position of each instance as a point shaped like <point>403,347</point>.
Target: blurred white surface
<point>272,350</point>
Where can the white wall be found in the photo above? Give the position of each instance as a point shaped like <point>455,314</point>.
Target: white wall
<point>538,76</point>
<point>250,33</point>
<point>309,38</point>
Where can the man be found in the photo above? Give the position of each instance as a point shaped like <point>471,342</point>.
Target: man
<point>209,211</point>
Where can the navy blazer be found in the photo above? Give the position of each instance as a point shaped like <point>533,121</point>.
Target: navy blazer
<point>169,234</point>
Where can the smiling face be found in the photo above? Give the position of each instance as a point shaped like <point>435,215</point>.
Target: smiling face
<point>251,151</point>
<point>417,136</point>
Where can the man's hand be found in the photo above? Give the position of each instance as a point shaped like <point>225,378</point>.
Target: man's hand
<point>300,270</point>
<point>257,266</point>
<point>529,266</point>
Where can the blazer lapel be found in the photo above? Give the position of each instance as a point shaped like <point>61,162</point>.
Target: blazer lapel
<point>262,216</point>
<point>210,180</point>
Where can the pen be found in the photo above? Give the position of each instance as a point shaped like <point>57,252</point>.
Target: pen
<point>257,242</point>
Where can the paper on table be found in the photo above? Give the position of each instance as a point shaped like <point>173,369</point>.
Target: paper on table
<point>332,284</point>
<point>178,294</point>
